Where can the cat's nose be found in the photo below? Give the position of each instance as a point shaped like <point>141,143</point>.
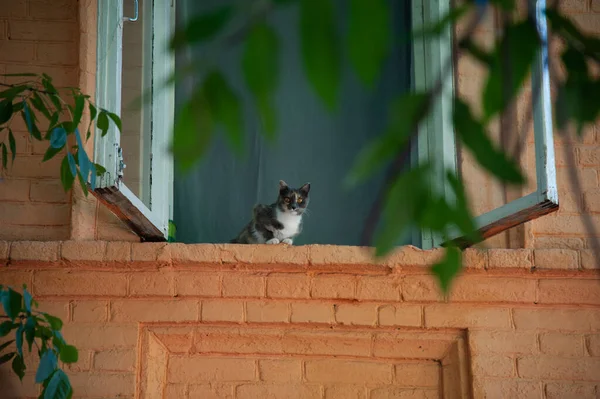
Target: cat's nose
<point>294,207</point>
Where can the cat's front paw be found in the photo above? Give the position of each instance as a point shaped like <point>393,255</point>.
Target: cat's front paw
<point>287,241</point>
<point>273,241</point>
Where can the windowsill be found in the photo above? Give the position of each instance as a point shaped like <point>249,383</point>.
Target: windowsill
<point>273,258</point>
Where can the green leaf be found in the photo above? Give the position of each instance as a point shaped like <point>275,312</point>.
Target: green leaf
<point>261,72</point>
<point>27,298</point>
<point>102,123</point>
<point>563,27</point>
<point>512,61</point>
<point>6,344</point>
<point>461,214</point>
<point>447,269</point>
<point>6,357</point>
<point>59,386</point>
<point>18,366</point>
<point>83,184</point>
<point>225,108</point>
<point>50,153</point>
<point>471,132</point>
<point>12,301</point>
<point>405,113</point>
<point>172,231</point>
<point>100,170</point>
<point>320,49</point>
<point>437,28</point>
<point>38,103</point>
<point>202,27</point>
<point>6,327</point>
<point>69,354</point>
<point>30,331</point>
<point>66,177</point>
<point>29,74</point>
<point>12,144</point>
<point>369,38</point>
<point>78,111</point>
<point>10,94</point>
<point>19,339</point>
<point>29,119</point>
<point>55,322</point>
<point>93,111</point>
<point>48,364</point>
<point>115,118</point>
<point>58,139</point>
<point>6,111</point>
<point>4,155</point>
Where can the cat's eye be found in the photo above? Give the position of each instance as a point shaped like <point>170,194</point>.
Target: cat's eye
<point>287,200</point>
<point>300,200</point>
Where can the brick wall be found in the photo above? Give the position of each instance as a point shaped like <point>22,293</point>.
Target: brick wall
<point>198,321</point>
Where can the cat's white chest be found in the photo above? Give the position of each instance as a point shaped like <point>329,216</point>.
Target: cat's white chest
<point>291,225</point>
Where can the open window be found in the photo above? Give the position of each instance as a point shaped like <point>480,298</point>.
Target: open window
<point>213,202</point>
<point>133,59</point>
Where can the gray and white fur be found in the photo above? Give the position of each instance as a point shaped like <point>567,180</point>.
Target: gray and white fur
<point>279,222</point>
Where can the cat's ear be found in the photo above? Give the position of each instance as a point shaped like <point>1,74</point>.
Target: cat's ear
<point>282,185</point>
<point>305,189</point>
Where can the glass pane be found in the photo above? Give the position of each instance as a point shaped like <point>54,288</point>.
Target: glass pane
<point>137,79</point>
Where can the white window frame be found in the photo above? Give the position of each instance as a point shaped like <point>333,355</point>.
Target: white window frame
<point>151,223</point>
<point>437,143</point>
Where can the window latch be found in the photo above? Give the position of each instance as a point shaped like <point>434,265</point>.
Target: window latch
<point>136,7</point>
<point>121,163</point>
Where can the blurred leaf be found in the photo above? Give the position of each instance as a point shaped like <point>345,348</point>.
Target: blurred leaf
<point>172,231</point>
<point>78,111</point>
<point>52,92</point>
<point>461,214</point>
<point>48,364</point>
<point>103,122</point>
<point>93,111</point>
<point>69,354</point>
<point>58,139</point>
<point>115,118</point>
<point>436,29</point>
<point>4,345</point>
<point>320,49</point>
<point>18,366</point>
<point>27,74</point>
<point>93,175</point>
<point>261,72</point>
<point>38,103</point>
<point>563,27</point>
<point>55,322</point>
<point>50,153</point>
<point>6,111</point>
<point>225,108</point>
<point>404,116</point>
<point>10,94</point>
<point>72,165</point>
<point>369,38</point>
<point>19,339</point>
<point>53,120</point>
<point>471,132</point>
<point>193,130</point>
<point>4,155</point>
<point>29,119</point>
<point>12,144</point>
<point>12,302</point>
<point>82,158</point>
<point>512,62</point>
<point>100,170</point>
<point>202,27</point>
<point>476,52</point>
<point>447,269</point>
<point>59,386</point>
<point>30,331</point>
<point>27,299</point>
<point>66,177</point>
<point>7,356</point>
<point>6,327</point>
<point>506,5</point>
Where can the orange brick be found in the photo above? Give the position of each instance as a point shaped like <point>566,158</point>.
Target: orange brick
<point>559,368</point>
<point>233,340</point>
<point>378,288</point>
<point>559,242</point>
<point>176,391</point>
<point>562,390</point>
<point>197,284</point>
<point>4,251</point>
<point>48,11</point>
<point>333,286</point>
<point>83,250</point>
<point>312,312</point>
<point>556,259</point>
<point>551,319</point>
<point>220,310</point>
<point>209,391</point>
<point>391,392</point>
<point>150,252</point>
<point>345,392</point>
<point>593,344</point>
<point>59,309</point>
<point>589,260</point>
<point>482,341</point>
<point>389,345</point>
<point>15,279</point>
<point>266,311</point>
<point>562,224</point>
<point>103,385</point>
<point>202,368</point>
<point>465,316</point>
<point>34,213</point>
<point>589,156</point>
<point>32,166</point>
<point>570,291</point>
<point>400,315</point>
<point>118,251</point>
<point>84,363</point>
<point>57,54</point>
<point>13,51</point>
<point>561,344</point>
<point>152,284</point>
<point>153,310</point>
<point>243,285</point>
<point>510,258</point>
<point>43,31</point>
<point>34,250</point>
<point>16,9</point>
<point>420,288</point>
<point>14,190</point>
<point>417,374</point>
<point>291,391</point>
<point>48,191</point>
<point>90,311</point>
<point>493,289</point>
<point>46,233</point>
<point>492,365</point>
<point>327,343</point>
<point>288,286</point>
<point>115,360</point>
<point>509,388</point>
<point>348,371</point>
<point>100,336</point>
<point>474,258</point>
<point>363,314</point>
<point>280,370</point>
<point>60,283</point>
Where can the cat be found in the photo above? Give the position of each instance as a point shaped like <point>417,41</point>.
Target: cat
<point>280,222</point>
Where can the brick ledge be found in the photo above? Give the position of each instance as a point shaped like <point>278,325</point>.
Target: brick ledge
<point>291,258</point>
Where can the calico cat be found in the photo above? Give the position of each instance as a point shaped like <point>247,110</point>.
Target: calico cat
<point>277,223</point>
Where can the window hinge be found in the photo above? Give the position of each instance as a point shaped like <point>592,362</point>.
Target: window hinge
<point>121,164</point>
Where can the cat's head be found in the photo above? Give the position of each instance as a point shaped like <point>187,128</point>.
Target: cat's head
<point>293,200</point>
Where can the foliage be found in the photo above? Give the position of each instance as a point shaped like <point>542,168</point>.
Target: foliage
<point>39,329</point>
<point>37,97</point>
<point>409,198</point>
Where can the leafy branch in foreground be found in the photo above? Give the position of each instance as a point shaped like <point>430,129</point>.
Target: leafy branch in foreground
<point>41,330</point>
<point>36,99</point>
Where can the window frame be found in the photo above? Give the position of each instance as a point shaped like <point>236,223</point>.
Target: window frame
<point>150,223</point>
<point>436,139</point>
